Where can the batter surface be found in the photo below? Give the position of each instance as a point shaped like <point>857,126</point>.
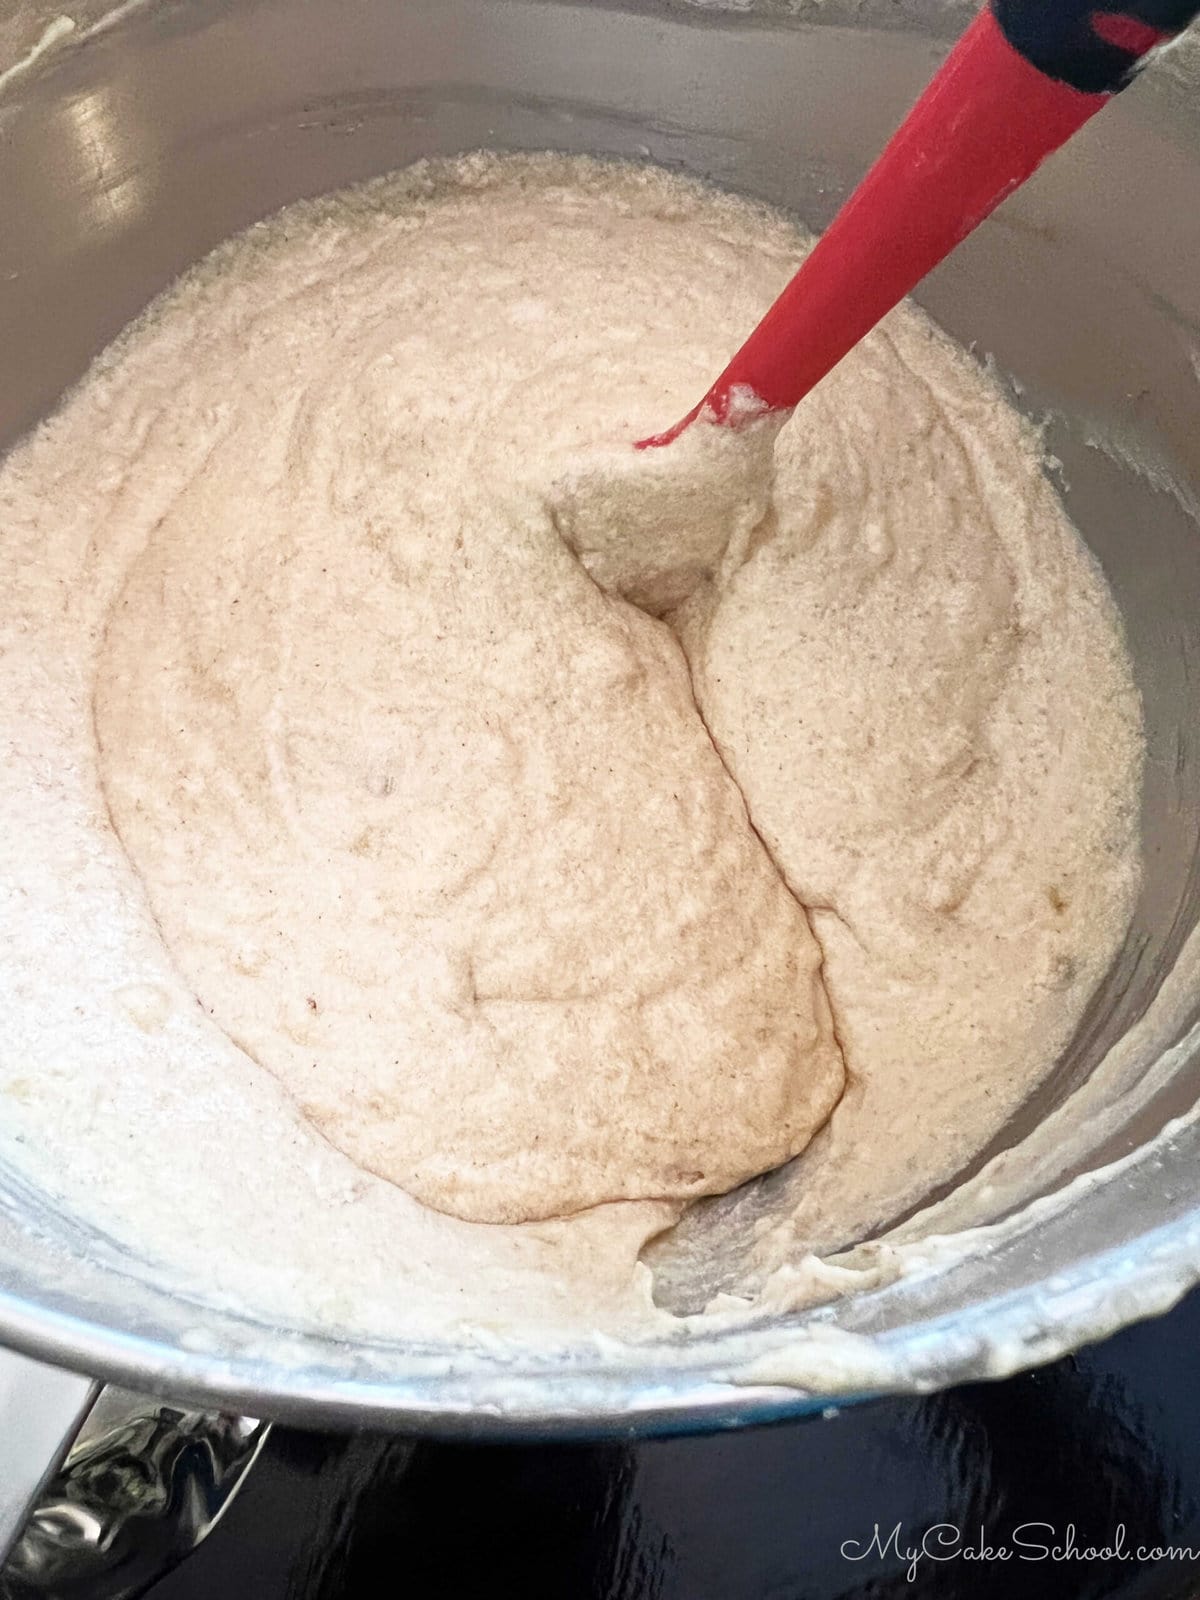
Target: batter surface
<point>412,804</point>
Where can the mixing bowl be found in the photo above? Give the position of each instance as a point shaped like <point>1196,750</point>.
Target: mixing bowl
<point>137,141</point>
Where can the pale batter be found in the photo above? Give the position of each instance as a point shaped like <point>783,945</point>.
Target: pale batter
<point>542,862</point>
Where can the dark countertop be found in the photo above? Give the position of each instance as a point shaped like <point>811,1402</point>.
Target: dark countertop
<point>1106,1438</point>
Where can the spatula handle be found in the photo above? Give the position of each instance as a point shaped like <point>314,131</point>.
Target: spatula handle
<point>1093,47</point>
<point>1025,76</point>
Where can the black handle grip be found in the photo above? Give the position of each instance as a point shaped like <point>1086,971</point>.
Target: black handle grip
<point>1092,46</point>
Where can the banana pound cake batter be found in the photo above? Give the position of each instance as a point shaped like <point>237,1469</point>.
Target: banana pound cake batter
<point>438,844</point>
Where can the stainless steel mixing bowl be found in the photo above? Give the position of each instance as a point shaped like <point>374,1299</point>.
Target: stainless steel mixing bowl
<point>133,146</point>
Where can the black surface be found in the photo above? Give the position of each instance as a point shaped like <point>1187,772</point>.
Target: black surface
<point>1106,1438</point>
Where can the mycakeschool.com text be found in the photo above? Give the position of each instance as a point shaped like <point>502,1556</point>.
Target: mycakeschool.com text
<point>1028,1542</point>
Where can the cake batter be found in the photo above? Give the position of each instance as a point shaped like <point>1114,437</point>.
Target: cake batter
<point>398,810</point>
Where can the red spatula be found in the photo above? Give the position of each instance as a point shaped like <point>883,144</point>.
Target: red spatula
<point>1025,76</point>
